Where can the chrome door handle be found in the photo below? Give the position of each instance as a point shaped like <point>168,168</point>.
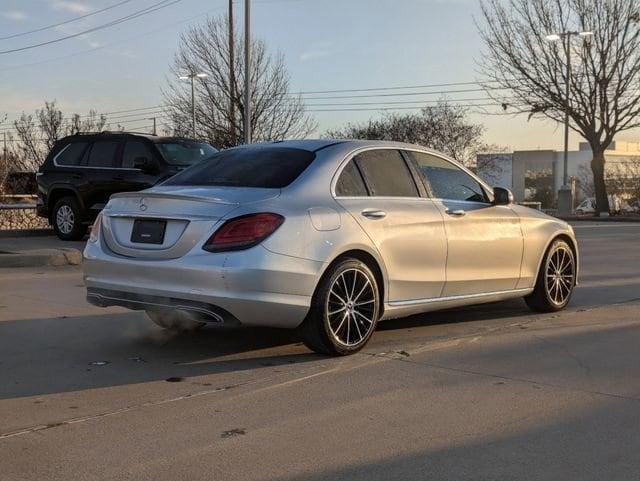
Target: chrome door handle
<point>456,213</point>
<point>374,214</point>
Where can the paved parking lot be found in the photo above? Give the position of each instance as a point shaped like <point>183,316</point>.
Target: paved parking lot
<point>487,393</point>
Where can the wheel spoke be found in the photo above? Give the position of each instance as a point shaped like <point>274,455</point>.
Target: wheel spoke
<point>341,299</point>
<point>366,284</point>
<point>363,316</point>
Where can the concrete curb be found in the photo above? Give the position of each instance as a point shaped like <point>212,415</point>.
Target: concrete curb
<point>41,258</point>
<point>601,219</point>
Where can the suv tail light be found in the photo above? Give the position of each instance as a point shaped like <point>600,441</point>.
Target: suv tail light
<point>243,232</point>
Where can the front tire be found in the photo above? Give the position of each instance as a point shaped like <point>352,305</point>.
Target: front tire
<point>556,279</point>
<point>67,221</point>
<point>344,310</point>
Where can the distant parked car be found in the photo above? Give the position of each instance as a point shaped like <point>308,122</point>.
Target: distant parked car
<point>82,171</point>
<point>588,206</point>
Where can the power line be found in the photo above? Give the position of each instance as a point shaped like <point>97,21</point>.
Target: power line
<point>373,89</point>
<point>74,19</point>
<point>145,11</point>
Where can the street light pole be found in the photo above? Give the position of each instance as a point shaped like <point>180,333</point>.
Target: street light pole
<point>192,76</point>
<point>247,71</point>
<point>565,196</point>
<point>193,107</point>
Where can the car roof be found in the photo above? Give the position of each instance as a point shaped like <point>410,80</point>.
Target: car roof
<point>314,145</point>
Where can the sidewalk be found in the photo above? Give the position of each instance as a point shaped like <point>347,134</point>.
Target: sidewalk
<point>30,251</point>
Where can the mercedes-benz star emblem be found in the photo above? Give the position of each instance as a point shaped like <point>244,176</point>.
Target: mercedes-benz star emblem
<point>143,206</point>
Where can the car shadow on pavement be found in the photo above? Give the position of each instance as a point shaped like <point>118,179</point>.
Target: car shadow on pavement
<point>45,356</point>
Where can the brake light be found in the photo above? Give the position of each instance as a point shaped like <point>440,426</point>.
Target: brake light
<point>243,232</point>
<point>95,229</point>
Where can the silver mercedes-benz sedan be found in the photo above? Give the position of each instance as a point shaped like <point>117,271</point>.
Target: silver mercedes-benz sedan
<point>327,236</point>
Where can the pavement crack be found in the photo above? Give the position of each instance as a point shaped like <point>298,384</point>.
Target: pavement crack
<point>567,351</point>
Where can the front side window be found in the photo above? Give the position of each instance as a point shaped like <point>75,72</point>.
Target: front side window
<point>72,154</point>
<point>185,152</point>
<point>133,150</point>
<point>448,181</point>
<point>263,167</point>
<point>350,183</point>
<point>103,153</point>
<point>386,173</point>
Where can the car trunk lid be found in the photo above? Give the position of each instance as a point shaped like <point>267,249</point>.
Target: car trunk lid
<point>167,222</point>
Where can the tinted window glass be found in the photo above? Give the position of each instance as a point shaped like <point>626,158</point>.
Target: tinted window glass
<point>448,181</point>
<point>132,151</point>
<point>103,153</point>
<point>71,154</point>
<point>386,173</point>
<point>185,152</point>
<point>350,183</point>
<point>268,167</point>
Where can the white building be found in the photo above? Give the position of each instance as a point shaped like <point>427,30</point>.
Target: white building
<point>511,170</point>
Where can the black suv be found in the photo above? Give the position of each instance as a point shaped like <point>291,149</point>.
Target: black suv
<point>83,170</point>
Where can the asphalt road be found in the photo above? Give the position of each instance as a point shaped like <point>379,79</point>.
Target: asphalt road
<point>487,393</point>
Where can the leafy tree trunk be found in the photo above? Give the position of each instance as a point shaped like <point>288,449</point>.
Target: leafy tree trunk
<point>597,167</point>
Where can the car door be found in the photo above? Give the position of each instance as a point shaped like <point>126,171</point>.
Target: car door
<point>132,179</point>
<point>379,191</point>
<point>485,242</point>
<point>100,161</point>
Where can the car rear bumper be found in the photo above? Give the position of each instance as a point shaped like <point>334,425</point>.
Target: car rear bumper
<point>252,287</point>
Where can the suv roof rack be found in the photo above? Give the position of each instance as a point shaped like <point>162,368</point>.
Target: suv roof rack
<point>112,132</point>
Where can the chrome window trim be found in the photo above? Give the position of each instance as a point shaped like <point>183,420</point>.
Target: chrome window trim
<point>88,167</point>
<point>348,157</point>
<point>413,302</point>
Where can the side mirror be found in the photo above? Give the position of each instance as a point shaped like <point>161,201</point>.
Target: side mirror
<point>144,164</point>
<point>502,196</point>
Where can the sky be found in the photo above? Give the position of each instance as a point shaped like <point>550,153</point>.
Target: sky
<point>327,45</point>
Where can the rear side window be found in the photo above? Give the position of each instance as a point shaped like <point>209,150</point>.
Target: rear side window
<point>103,153</point>
<point>71,154</point>
<point>447,180</point>
<point>386,173</point>
<point>134,150</point>
<point>350,183</point>
<point>265,167</point>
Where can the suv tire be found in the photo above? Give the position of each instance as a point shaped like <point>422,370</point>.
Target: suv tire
<point>66,219</point>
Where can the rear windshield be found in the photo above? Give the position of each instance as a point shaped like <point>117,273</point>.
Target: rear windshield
<point>185,152</point>
<point>272,168</point>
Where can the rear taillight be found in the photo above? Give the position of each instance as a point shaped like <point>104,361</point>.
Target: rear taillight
<point>95,229</point>
<point>243,232</point>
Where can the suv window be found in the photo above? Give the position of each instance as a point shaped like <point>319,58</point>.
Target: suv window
<point>386,173</point>
<point>133,150</point>
<point>185,152</point>
<point>71,154</point>
<point>103,153</point>
<point>351,183</point>
<point>447,180</point>
<point>273,168</point>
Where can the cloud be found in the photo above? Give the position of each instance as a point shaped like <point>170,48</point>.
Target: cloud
<point>16,15</point>
<point>70,6</point>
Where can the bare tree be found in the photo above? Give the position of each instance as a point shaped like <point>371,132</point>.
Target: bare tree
<point>276,113</point>
<point>442,127</point>
<point>604,96</point>
<point>37,133</point>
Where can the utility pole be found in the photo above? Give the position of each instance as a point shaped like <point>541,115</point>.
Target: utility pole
<point>232,76</point>
<point>154,125</point>
<point>247,71</point>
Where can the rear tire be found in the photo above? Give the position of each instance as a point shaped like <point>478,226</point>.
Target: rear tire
<point>66,219</point>
<point>344,310</point>
<point>174,321</point>
<point>556,279</point>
